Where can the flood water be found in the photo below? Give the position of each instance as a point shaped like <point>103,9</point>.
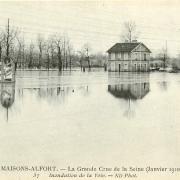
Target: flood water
<point>91,118</point>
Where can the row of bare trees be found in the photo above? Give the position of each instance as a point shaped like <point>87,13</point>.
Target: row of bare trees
<point>55,51</point>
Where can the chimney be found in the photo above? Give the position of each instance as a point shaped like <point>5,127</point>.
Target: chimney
<point>134,41</point>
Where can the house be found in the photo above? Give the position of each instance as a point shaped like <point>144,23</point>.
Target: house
<point>132,56</point>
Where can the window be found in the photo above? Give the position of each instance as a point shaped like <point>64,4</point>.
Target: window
<point>129,55</point>
<point>136,56</point>
<point>135,66</point>
<point>145,57</point>
<point>122,56</point>
<point>144,85</point>
<point>116,56</point>
<point>112,56</point>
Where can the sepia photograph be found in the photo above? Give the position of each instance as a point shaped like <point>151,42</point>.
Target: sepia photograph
<point>90,90</point>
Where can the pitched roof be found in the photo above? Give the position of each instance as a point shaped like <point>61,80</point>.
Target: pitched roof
<point>124,47</point>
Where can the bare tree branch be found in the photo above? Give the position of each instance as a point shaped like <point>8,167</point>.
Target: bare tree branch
<point>129,32</point>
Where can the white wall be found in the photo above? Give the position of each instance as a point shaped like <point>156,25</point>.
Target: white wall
<point>112,56</point>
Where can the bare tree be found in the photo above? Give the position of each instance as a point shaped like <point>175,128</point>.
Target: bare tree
<point>80,57</point>
<point>41,46</point>
<point>52,52</point>
<point>65,51</point>
<point>10,36</point>
<point>69,49</point>
<point>163,56</point>
<point>129,32</point>
<point>58,43</point>
<point>1,44</point>
<point>48,50</point>
<point>18,58</point>
<point>31,51</point>
<point>21,51</point>
<point>86,50</point>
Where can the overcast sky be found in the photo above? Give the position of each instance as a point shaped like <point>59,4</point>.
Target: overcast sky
<point>99,23</point>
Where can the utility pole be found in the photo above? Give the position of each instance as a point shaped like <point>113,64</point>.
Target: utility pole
<point>7,40</point>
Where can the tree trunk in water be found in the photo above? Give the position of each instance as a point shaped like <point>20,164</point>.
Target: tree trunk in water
<point>59,59</point>
<point>39,64</point>
<point>40,58</point>
<point>89,63</point>
<point>52,60</point>
<point>164,61</point>
<point>0,52</point>
<point>81,63</point>
<point>15,66</point>
<point>48,62</point>
<point>66,61</point>
<point>70,62</point>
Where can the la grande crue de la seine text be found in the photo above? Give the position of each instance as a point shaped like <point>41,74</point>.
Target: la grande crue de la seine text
<point>89,169</point>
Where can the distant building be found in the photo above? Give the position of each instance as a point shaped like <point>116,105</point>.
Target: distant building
<point>157,63</point>
<point>132,56</point>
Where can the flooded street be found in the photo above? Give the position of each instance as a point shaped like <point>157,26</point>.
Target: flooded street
<point>103,118</point>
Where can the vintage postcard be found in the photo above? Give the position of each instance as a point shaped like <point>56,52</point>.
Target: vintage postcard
<point>90,90</point>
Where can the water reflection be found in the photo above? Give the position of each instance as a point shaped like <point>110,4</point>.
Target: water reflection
<point>26,97</point>
<point>63,112</point>
<point>163,85</point>
<point>130,87</point>
<point>53,94</point>
<point>7,96</point>
<point>129,91</point>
